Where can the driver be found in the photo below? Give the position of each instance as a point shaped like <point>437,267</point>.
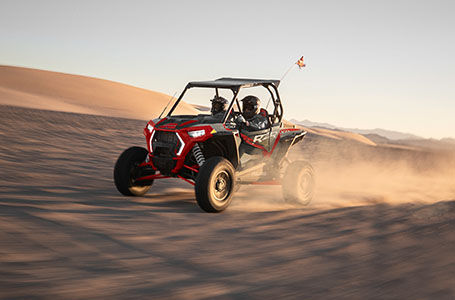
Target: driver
<point>252,118</point>
<point>219,107</point>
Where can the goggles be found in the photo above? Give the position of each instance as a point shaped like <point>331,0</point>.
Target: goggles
<point>250,107</point>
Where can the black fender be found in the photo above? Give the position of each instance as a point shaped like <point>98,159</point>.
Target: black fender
<point>225,144</point>
<point>286,141</point>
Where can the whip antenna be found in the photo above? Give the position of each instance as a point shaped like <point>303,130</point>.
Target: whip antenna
<point>298,63</point>
<point>167,105</point>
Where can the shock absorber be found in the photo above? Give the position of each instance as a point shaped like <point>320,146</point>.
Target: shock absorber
<point>197,152</point>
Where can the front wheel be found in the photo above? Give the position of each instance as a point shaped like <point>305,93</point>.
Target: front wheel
<point>298,183</point>
<point>215,184</point>
<point>126,171</point>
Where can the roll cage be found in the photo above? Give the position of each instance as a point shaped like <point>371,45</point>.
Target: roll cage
<point>235,85</point>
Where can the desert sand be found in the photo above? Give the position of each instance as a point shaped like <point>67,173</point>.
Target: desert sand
<point>381,226</point>
<point>81,94</point>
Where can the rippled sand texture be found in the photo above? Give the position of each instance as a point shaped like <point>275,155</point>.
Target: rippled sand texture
<point>65,232</point>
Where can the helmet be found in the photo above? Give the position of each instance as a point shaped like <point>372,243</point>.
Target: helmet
<point>219,104</point>
<point>250,106</point>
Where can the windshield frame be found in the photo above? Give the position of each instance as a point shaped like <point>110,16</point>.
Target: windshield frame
<point>275,97</point>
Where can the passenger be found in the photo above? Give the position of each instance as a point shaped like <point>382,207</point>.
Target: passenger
<point>253,118</point>
<point>219,107</point>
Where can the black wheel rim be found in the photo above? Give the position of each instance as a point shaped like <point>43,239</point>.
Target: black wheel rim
<point>135,173</point>
<point>221,185</point>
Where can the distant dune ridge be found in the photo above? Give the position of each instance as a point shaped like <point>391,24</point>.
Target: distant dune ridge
<point>389,134</point>
<point>383,137</point>
<point>340,135</point>
<point>80,94</point>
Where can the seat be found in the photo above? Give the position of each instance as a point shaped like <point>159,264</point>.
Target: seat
<point>264,113</point>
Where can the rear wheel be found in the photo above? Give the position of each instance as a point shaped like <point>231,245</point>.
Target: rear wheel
<point>215,184</point>
<point>298,183</point>
<point>126,171</point>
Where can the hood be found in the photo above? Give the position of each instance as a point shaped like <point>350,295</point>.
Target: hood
<point>184,121</point>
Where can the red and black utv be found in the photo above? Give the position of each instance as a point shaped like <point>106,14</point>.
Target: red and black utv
<point>216,154</point>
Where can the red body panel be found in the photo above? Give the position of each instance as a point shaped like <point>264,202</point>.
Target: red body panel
<point>184,136</point>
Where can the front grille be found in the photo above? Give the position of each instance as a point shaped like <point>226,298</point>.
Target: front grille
<point>164,164</point>
<point>164,143</point>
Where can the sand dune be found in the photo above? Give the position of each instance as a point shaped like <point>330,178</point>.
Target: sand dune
<point>340,135</point>
<point>333,134</point>
<point>73,93</point>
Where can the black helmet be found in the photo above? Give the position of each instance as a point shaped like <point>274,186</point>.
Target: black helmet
<point>219,104</point>
<point>250,106</point>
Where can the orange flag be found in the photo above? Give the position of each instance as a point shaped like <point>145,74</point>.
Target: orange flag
<point>300,63</point>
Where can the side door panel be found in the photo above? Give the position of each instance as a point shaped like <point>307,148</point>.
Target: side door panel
<point>274,136</point>
<point>259,139</point>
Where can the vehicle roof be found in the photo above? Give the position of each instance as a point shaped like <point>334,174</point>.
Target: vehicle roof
<point>233,83</point>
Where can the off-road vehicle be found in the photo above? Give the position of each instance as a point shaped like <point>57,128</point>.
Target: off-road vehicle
<point>215,154</point>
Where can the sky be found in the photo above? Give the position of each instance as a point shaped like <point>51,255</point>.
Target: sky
<point>370,64</point>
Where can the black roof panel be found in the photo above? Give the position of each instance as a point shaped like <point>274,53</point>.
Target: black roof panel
<point>233,83</point>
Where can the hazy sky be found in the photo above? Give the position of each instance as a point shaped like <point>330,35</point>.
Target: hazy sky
<point>387,64</point>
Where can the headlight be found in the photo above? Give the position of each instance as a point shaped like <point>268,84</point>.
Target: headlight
<point>150,127</point>
<point>196,133</point>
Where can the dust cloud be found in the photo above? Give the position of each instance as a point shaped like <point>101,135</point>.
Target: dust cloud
<point>353,174</point>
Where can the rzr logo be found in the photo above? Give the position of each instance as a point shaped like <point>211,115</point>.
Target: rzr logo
<point>261,137</point>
